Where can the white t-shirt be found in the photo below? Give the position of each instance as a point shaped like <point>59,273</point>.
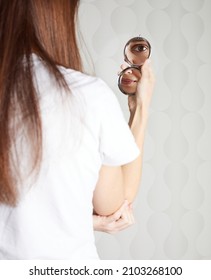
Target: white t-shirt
<point>81,131</point>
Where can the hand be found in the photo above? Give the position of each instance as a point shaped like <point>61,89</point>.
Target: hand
<point>145,85</point>
<point>116,222</point>
<point>144,89</point>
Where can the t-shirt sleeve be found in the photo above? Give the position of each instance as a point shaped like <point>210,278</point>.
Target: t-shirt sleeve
<point>117,143</point>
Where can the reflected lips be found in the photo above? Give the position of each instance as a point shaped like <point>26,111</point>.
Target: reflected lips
<point>125,81</point>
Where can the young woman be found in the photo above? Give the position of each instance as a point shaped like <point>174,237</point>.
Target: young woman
<point>65,147</point>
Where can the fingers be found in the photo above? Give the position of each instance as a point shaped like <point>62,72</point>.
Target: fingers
<point>127,219</point>
<point>116,216</point>
<point>145,85</point>
<point>130,215</point>
<point>147,71</point>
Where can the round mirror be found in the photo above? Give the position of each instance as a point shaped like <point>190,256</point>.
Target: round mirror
<point>128,80</point>
<point>136,51</point>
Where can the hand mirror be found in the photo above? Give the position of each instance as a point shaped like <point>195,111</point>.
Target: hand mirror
<point>136,51</point>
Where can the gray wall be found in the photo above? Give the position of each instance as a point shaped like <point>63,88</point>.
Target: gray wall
<point>173,207</point>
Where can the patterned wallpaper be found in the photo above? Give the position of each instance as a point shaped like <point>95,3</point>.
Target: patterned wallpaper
<point>173,207</point>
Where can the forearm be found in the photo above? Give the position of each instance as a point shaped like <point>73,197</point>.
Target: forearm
<point>132,171</point>
<point>118,183</point>
<point>139,106</point>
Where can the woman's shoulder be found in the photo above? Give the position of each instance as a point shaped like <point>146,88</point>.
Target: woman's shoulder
<point>80,80</point>
<point>87,85</point>
<point>91,88</point>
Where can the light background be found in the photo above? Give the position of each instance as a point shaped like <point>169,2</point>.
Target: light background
<point>173,207</point>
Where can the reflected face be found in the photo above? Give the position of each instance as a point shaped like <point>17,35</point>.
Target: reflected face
<point>128,80</point>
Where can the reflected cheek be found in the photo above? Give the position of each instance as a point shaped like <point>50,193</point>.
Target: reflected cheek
<point>137,74</point>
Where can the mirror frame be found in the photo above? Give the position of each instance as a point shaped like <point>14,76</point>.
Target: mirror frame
<point>120,76</point>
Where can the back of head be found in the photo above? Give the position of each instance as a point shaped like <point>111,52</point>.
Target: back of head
<point>47,28</point>
<point>54,27</point>
<point>44,26</point>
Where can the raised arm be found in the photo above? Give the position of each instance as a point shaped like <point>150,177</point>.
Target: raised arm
<point>117,184</point>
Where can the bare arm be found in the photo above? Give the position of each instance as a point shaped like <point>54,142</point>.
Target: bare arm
<point>117,184</point>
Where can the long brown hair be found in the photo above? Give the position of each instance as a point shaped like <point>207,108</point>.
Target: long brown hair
<point>46,27</point>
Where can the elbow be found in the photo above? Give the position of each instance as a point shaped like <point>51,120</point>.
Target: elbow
<point>109,208</point>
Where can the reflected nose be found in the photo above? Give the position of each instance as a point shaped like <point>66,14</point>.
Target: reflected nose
<point>122,68</point>
<point>125,66</point>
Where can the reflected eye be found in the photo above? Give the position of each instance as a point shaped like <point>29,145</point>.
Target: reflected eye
<point>139,48</point>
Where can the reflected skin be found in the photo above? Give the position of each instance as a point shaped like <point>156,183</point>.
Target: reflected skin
<point>129,79</point>
<point>136,52</point>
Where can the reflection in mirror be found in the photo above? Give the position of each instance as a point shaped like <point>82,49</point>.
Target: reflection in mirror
<point>128,80</point>
<point>136,51</point>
